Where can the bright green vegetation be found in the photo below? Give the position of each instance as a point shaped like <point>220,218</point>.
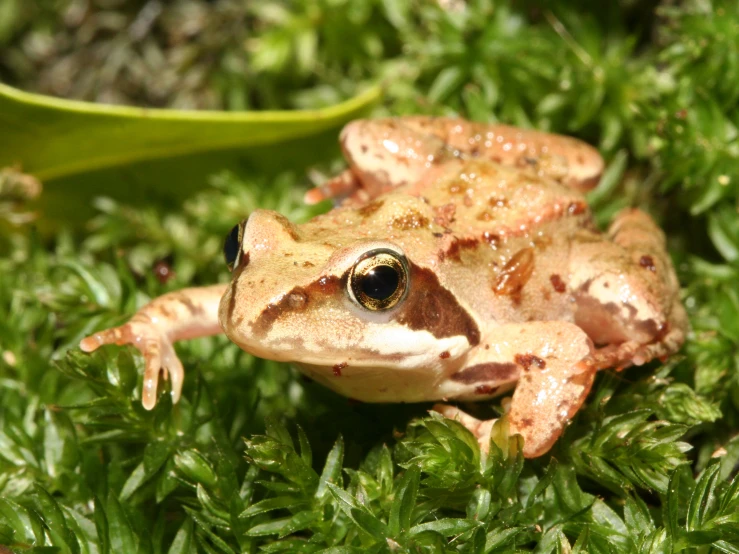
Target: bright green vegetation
<point>251,458</point>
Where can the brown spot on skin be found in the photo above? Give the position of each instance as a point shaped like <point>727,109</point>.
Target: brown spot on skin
<point>338,367</point>
<point>515,274</point>
<point>437,235</point>
<point>194,309</point>
<point>577,208</point>
<point>328,285</point>
<point>445,214</point>
<point>454,250</point>
<point>543,243</point>
<point>497,202</point>
<point>457,187</point>
<point>557,283</point>
<point>527,360</point>
<point>444,355</point>
<point>493,239</point>
<point>484,216</point>
<point>486,389</point>
<point>371,208</point>
<point>410,220</point>
<point>647,263</point>
<point>287,226</point>
<point>431,307</point>
<point>585,287</point>
<point>308,264</point>
<point>526,422</point>
<point>364,148</point>
<point>491,371</point>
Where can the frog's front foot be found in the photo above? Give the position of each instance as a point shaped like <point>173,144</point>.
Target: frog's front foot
<point>184,314</point>
<point>554,365</point>
<point>157,349</point>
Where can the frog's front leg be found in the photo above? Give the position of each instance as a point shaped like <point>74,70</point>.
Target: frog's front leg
<point>185,314</point>
<point>555,370</point>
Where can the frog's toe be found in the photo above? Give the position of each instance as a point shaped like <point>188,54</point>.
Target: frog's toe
<point>479,428</point>
<point>160,359</point>
<point>153,365</point>
<point>174,369</point>
<point>114,335</point>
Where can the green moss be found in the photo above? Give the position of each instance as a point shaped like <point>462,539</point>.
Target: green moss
<point>252,458</point>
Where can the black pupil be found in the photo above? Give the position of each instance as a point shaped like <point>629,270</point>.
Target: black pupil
<point>231,246</point>
<point>380,282</point>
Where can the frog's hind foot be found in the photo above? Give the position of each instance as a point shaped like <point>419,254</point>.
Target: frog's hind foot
<point>478,427</point>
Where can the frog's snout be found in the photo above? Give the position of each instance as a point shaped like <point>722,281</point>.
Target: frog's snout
<point>267,231</point>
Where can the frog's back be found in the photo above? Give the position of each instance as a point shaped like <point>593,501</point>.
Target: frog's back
<point>487,197</point>
<point>506,239</point>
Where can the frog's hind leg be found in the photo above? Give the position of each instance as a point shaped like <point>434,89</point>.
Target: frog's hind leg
<point>627,293</point>
<point>562,158</point>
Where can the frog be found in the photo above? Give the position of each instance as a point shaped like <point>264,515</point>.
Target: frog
<point>460,262</point>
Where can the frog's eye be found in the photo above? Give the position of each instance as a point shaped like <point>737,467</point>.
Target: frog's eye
<point>232,246</point>
<point>379,280</point>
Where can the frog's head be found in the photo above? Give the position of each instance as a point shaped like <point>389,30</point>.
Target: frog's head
<point>362,303</point>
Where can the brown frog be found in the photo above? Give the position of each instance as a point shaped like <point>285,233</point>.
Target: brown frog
<point>462,262</point>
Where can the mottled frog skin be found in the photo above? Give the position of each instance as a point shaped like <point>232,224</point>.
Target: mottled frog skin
<point>461,262</point>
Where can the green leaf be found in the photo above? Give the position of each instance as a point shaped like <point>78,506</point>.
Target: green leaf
<point>101,526</point>
<point>703,499</point>
<point>134,481</point>
<point>447,526</point>
<point>195,466</point>
<point>448,80</point>
<point>269,504</point>
<point>82,150</point>
<point>401,512</point>
<point>53,137</point>
<point>183,542</point>
<point>725,546</point>
<point>331,469</point>
<point>367,521</point>
<point>121,535</point>
<point>52,515</point>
